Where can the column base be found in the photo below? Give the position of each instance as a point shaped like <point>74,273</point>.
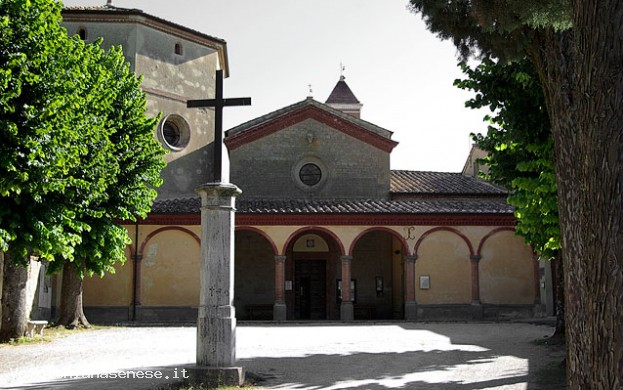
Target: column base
<point>279,312</point>
<point>347,312</point>
<point>213,377</point>
<point>216,338</point>
<point>411,311</point>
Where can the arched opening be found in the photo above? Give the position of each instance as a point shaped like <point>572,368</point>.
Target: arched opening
<point>254,288</point>
<point>312,272</point>
<point>377,272</point>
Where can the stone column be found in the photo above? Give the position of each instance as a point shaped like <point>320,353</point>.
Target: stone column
<point>475,260</point>
<point>347,312</point>
<point>279,309</point>
<point>216,323</point>
<point>410,286</point>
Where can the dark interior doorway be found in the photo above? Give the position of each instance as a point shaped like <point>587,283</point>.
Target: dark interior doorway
<point>310,290</point>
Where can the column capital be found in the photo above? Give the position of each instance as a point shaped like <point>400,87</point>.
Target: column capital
<point>346,259</point>
<point>475,258</point>
<point>280,259</point>
<point>411,259</point>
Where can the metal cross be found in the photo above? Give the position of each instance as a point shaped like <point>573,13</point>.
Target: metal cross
<point>218,103</point>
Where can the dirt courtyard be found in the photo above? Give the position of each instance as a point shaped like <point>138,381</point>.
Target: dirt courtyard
<point>396,355</point>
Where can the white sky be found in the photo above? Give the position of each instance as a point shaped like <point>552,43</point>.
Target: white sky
<point>401,72</point>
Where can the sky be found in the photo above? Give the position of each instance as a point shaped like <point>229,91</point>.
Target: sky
<point>398,70</point>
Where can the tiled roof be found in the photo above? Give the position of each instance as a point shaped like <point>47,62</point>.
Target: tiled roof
<point>342,94</point>
<point>441,183</point>
<point>294,206</point>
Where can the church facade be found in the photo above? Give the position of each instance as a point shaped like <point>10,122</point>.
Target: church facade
<point>325,230</point>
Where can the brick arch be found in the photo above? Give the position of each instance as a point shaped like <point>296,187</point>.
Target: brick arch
<point>394,233</point>
<point>491,233</point>
<point>163,229</point>
<point>261,233</point>
<point>446,229</point>
<point>313,229</point>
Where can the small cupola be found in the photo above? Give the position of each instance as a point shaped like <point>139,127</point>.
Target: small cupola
<point>343,99</point>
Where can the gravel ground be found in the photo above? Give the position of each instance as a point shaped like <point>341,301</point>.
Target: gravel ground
<point>299,356</point>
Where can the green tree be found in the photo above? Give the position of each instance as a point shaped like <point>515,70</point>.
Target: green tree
<point>520,153</point>
<point>72,117</point>
<point>576,48</point>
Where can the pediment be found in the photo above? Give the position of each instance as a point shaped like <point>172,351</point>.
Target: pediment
<point>309,109</point>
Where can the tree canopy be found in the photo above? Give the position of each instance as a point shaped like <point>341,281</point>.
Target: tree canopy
<point>519,145</point>
<point>78,149</point>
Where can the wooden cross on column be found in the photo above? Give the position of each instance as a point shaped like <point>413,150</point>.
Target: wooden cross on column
<point>218,103</point>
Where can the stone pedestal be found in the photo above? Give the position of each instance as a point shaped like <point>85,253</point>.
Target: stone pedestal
<point>216,323</point>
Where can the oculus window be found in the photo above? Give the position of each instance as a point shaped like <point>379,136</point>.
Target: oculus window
<point>310,174</point>
<point>175,132</point>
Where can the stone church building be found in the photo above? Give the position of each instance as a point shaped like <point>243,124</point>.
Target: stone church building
<point>325,229</point>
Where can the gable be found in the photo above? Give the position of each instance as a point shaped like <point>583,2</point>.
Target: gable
<point>310,109</point>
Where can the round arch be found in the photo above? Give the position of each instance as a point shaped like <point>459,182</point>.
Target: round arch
<point>300,231</point>
<point>261,233</point>
<point>491,233</point>
<point>394,233</point>
<point>442,229</point>
<point>164,229</point>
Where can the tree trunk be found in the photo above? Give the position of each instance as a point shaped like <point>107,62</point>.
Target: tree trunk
<point>559,296</point>
<point>584,85</point>
<point>72,314</point>
<point>15,305</point>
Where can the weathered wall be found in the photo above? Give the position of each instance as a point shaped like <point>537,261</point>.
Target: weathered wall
<point>169,79</point>
<point>506,267</point>
<point>112,289</point>
<point>444,257</point>
<point>350,168</point>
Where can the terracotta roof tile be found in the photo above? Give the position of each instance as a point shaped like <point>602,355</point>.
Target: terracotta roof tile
<point>296,206</point>
<point>441,183</point>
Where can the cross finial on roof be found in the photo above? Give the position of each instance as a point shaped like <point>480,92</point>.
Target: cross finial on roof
<point>310,91</point>
<point>342,69</point>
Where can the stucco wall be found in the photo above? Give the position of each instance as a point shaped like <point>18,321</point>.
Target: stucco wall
<point>445,258</point>
<point>112,289</point>
<point>506,267</point>
<point>350,168</point>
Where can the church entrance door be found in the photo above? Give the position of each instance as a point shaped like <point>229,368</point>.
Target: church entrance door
<point>310,290</point>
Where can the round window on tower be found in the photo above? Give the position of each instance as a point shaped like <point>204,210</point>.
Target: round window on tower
<point>174,132</point>
<point>310,174</point>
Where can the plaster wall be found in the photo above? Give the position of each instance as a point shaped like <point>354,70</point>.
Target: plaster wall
<point>506,270</point>
<point>350,168</point>
<point>112,289</point>
<point>445,258</point>
<point>170,270</point>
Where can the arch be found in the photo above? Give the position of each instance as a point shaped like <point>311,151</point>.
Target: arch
<point>447,229</point>
<point>261,233</point>
<point>310,229</point>
<point>394,233</point>
<point>491,233</point>
<point>163,229</point>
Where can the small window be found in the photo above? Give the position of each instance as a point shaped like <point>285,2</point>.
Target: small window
<point>179,50</point>
<point>82,33</point>
<point>310,174</point>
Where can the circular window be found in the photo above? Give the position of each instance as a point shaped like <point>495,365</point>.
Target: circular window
<point>174,132</point>
<point>310,174</point>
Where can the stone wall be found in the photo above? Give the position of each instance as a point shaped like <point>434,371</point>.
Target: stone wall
<point>269,167</point>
